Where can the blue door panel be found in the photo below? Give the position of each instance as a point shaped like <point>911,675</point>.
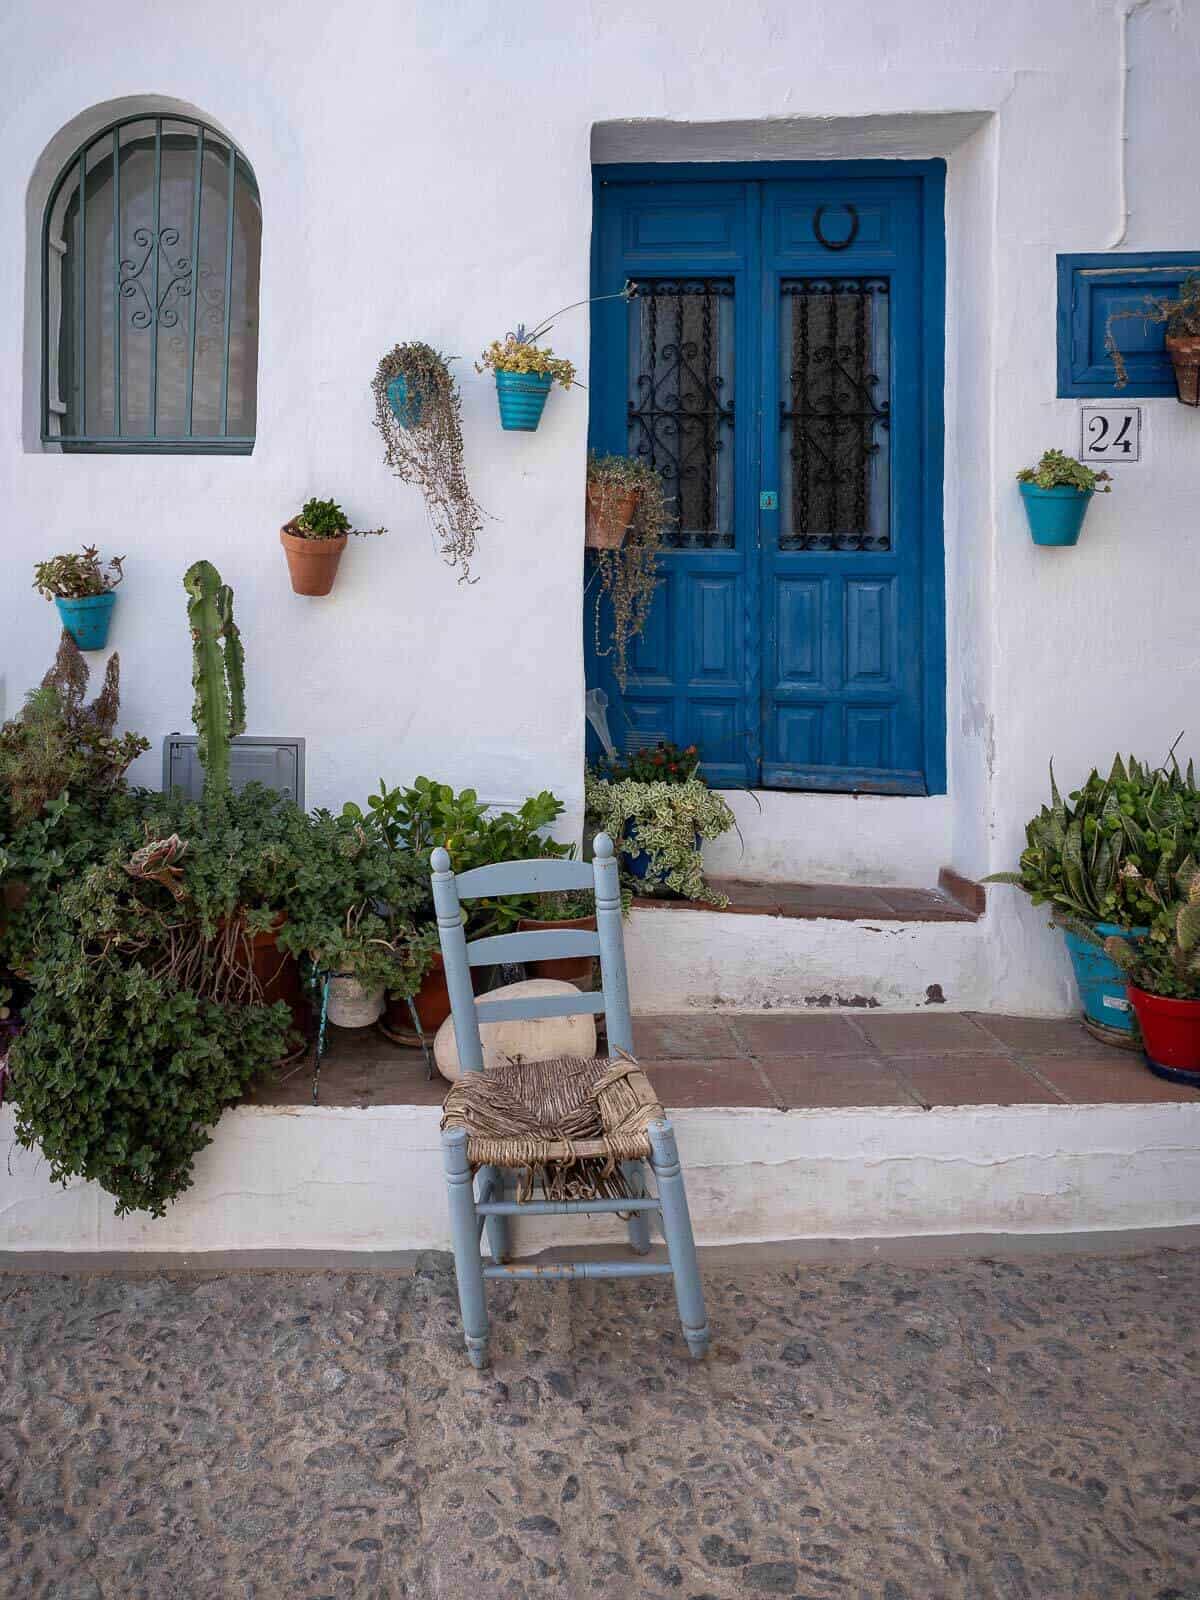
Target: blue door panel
<point>779,365</point>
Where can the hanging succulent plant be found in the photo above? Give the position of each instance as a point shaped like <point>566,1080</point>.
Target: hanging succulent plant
<point>418,410</point>
<point>626,572</point>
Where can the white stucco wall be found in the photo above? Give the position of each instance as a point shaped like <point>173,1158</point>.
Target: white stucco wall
<point>425,173</point>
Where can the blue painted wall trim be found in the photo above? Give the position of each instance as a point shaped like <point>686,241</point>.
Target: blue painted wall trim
<point>1090,287</point>
<point>606,406</point>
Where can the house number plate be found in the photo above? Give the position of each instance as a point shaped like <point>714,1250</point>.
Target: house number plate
<point>1110,434</point>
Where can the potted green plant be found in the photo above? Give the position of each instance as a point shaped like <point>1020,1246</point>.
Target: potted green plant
<point>418,412</point>
<point>627,526</point>
<point>313,541</point>
<point>82,588</point>
<point>1093,857</point>
<point>1181,314</point>
<point>659,826</point>
<point>1056,494</point>
<point>525,373</point>
<point>1164,978</point>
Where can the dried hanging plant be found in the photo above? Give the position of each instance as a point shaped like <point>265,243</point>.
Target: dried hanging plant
<point>418,410</point>
<point>628,576</point>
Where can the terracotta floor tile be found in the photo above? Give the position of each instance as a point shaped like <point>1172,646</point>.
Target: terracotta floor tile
<point>1037,1036</point>
<point>843,902</point>
<point>686,1085</point>
<point>802,1034</point>
<point>839,1081</point>
<point>361,1070</point>
<point>697,1035</point>
<point>1122,1079</point>
<point>923,1033</point>
<point>965,1080</point>
<point>747,896</point>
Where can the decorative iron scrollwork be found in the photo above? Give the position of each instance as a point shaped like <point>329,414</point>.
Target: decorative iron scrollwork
<point>836,244</point>
<point>133,283</point>
<point>835,418</point>
<point>680,416</point>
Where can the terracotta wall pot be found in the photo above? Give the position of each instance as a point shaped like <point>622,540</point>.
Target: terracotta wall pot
<point>312,563</point>
<point>279,976</point>
<point>1184,351</point>
<point>571,969</point>
<point>1170,1032</point>
<point>609,513</point>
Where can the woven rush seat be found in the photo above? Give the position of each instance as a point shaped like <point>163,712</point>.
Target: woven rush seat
<point>566,1124</point>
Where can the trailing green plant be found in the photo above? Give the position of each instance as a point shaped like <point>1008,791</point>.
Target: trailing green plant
<point>61,742</point>
<point>1095,855</point>
<point>1180,312</point>
<point>218,673</point>
<point>628,577</point>
<point>1167,962</point>
<point>1057,470</point>
<point>429,453</point>
<point>76,577</point>
<point>666,821</point>
<point>325,519</point>
<point>663,762</point>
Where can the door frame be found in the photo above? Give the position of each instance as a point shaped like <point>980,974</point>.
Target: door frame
<point>931,176</point>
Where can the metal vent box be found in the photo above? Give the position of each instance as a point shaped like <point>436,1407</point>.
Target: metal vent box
<point>275,763</point>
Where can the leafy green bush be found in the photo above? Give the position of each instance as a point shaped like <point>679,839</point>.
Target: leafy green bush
<point>118,1076</point>
<point>1098,857</point>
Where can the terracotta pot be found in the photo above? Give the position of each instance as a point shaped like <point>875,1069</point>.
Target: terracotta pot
<point>312,563</point>
<point>279,977</point>
<point>609,514</point>
<point>432,1002</point>
<point>1184,351</point>
<point>1170,1032</point>
<point>570,969</point>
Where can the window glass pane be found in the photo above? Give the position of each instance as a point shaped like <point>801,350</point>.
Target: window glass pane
<point>210,283</point>
<point>243,323</point>
<point>176,209</point>
<point>136,287</point>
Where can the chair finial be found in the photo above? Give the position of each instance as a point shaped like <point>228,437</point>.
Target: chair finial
<point>602,847</point>
<point>440,859</point>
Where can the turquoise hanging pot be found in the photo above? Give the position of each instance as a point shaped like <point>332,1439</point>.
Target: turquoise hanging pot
<point>522,397</point>
<point>406,407</point>
<point>87,619</point>
<point>1055,515</point>
<point>1102,984</point>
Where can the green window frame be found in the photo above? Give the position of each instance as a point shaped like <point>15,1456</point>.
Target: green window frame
<point>151,247</point>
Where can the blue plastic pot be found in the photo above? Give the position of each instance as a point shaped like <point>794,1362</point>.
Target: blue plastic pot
<point>406,408</point>
<point>1055,515</point>
<point>522,397</point>
<point>87,620</point>
<point>638,866</point>
<point>1102,984</point>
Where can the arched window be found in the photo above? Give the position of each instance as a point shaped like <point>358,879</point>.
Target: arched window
<point>150,256</point>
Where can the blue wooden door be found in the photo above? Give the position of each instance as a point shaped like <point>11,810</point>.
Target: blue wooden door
<point>780,364</point>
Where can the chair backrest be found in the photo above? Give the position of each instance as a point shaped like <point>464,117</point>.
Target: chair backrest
<point>532,877</point>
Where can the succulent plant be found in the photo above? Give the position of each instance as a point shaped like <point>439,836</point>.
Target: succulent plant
<point>218,673</point>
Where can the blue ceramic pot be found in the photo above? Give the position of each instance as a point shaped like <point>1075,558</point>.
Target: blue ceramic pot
<point>1102,984</point>
<point>87,620</point>
<point>1055,515</point>
<point>638,866</point>
<point>522,397</point>
<point>406,408</point>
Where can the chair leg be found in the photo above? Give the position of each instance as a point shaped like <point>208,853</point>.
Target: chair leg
<point>499,1235</point>
<point>468,1264</point>
<point>681,1245</point>
<point>639,1221</point>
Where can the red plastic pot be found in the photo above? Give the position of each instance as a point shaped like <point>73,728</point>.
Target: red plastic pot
<point>1170,1029</point>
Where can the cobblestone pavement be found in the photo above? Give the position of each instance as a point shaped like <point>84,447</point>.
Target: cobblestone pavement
<point>882,1431</point>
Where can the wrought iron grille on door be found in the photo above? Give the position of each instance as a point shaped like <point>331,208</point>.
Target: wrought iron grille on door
<point>681,405</point>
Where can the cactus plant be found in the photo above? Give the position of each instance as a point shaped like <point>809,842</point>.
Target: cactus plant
<point>218,673</point>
